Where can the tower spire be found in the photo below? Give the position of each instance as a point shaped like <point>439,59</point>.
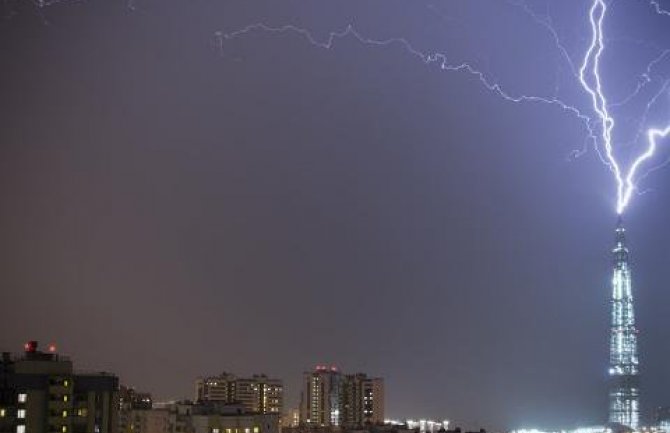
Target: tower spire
<point>624,364</point>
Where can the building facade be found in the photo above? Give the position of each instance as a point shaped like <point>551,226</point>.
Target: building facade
<point>209,417</point>
<point>320,397</point>
<point>147,421</point>
<point>362,400</point>
<point>40,392</point>
<point>291,418</point>
<point>330,398</point>
<point>258,394</point>
<point>135,414</point>
<point>624,390</point>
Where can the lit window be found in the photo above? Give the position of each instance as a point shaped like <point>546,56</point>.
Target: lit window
<point>257,429</point>
<point>20,429</point>
<point>21,414</point>
<point>66,383</point>
<point>65,398</point>
<point>64,429</point>
<point>3,412</point>
<point>64,414</point>
<point>215,430</point>
<point>247,430</point>
<point>23,397</point>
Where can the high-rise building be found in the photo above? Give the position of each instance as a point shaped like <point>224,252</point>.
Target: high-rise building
<point>258,394</point>
<point>330,398</point>
<point>362,400</point>
<point>40,392</point>
<point>320,397</point>
<point>373,400</point>
<point>216,388</point>
<point>624,391</point>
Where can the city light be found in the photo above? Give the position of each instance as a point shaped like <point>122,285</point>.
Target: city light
<point>424,425</point>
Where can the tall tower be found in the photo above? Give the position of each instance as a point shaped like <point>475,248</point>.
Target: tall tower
<point>320,401</point>
<point>624,392</point>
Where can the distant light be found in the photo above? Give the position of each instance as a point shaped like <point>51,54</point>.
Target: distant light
<point>52,348</point>
<point>30,346</point>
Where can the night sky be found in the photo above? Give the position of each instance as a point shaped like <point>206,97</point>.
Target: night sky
<point>171,207</point>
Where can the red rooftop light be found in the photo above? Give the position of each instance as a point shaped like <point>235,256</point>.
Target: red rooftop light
<point>30,346</point>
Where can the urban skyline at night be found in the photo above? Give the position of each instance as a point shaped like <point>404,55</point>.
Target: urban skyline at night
<point>235,192</point>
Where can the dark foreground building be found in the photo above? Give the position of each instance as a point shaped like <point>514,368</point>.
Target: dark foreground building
<point>41,393</point>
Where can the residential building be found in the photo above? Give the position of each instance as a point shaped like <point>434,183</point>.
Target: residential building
<point>147,421</point>
<point>258,394</point>
<point>215,417</point>
<point>135,414</point>
<point>320,397</point>
<point>330,398</point>
<point>362,400</point>
<point>41,392</point>
<point>291,418</point>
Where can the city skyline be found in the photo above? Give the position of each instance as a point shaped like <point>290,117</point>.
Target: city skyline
<point>181,196</point>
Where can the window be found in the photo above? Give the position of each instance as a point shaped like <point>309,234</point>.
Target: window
<point>22,397</point>
<point>64,414</point>
<point>64,429</point>
<point>21,414</point>
<point>3,412</point>
<point>20,429</point>
<point>65,398</point>
<point>66,383</point>
<point>257,429</point>
<point>215,430</point>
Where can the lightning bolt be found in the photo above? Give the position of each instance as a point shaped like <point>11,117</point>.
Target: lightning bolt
<point>657,7</point>
<point>441,60</point>
<point>589,77</point>
<point>599,128</point>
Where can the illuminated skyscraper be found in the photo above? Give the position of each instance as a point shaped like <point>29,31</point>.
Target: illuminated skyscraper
<point>624,392</point>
